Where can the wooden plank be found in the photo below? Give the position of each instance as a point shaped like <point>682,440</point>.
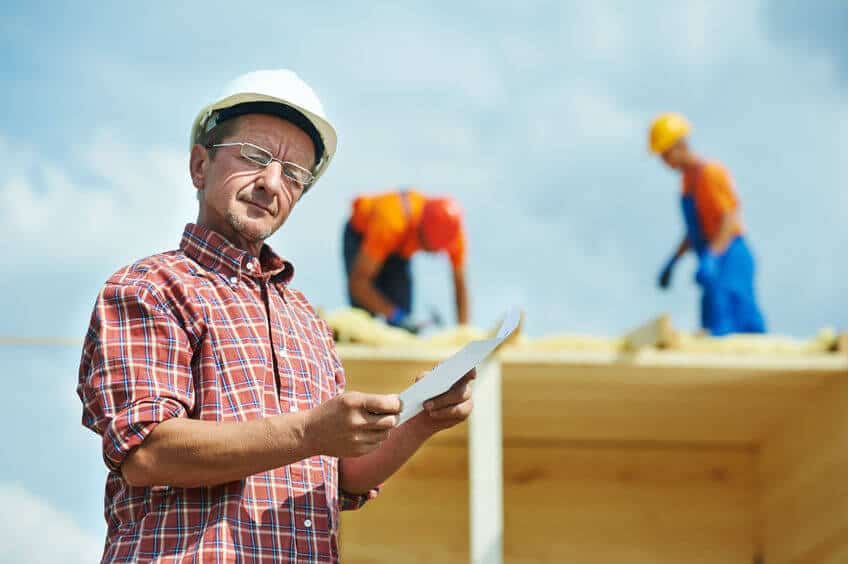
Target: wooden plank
<point>420,516</point>
<point>485,464</point>
<point>585,503</point>
<point>663,396</point>
<point>803,469</point>
<point>645,403</point>
<point>637,505</point>
<point>382,376</point>
<point>824,362</point>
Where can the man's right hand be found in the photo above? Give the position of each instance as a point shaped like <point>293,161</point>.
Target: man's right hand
<point>402,319</point>
<point>351,424</point>
<point>707,269</point>
<point>664,280</point>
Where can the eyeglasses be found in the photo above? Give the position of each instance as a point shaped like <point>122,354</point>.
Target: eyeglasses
<point>262,157</point>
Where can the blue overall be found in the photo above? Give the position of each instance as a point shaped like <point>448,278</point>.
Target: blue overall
<point>728,303</point>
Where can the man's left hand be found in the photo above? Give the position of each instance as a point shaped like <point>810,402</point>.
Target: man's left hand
<point>449,409</point>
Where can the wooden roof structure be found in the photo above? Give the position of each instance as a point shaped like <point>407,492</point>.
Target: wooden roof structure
<point>636,453</point>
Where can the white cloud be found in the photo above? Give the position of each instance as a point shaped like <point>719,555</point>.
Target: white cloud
<point>113,201</point>
<point>410,60</point>
<point>32,531</point>
<point>588,118</point>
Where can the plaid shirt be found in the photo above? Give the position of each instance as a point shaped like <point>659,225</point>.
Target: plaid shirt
<point>186,333</point>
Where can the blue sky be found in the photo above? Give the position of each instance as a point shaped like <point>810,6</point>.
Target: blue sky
<point>533,115</point>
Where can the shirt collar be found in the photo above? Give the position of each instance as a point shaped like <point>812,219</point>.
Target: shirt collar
<point>212,251</point>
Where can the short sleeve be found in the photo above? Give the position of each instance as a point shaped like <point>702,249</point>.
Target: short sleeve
<point>721,192</point>
<point>135,370</point>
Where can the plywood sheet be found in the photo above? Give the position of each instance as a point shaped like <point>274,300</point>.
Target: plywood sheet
<point>661,402</point>
<point>569,503</point>
<point>603,505</point>
<point>804,473</point>
<point>420,516</point>
<point>656,397</point>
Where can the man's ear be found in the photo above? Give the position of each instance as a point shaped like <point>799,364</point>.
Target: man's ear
<point>197,166</point>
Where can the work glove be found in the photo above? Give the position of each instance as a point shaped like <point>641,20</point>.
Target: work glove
<point>402,319</point>
<point>664,280</point>
<point>707,269</point>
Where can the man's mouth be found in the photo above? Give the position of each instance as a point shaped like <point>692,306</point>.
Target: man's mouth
<point>262,207</point>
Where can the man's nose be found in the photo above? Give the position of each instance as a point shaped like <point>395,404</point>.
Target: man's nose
<point>271,178</point>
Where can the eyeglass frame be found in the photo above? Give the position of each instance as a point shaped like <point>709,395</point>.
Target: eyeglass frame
<point>271,158</point>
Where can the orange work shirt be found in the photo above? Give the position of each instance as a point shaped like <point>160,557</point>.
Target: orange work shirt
<point>388,226</point>
<point>711,188</point>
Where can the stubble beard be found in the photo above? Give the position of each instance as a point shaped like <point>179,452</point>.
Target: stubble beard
<point>240,227</point>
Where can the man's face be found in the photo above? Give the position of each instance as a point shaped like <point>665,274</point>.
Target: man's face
<point>675,157</point>
<point>238,198</point>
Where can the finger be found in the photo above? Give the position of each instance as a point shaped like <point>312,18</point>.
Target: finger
<point>376,436</point>
<point>465,381</point>
<point>458,393</point>
<point>379,422</point>
<point>381,403</point>
<point>459,411</point>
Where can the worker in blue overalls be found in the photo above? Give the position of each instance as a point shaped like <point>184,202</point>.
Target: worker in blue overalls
<point>713,230</point>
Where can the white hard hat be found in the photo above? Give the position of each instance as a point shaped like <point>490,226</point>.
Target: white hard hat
<point>284,91</point>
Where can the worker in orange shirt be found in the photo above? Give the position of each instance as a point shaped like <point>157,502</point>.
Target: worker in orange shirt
<point>713,230</point>
<point>383,233</point>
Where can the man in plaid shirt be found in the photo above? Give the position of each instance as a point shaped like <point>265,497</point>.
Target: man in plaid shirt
<point>217,390</point>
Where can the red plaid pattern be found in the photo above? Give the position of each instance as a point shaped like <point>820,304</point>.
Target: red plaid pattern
<point>186,334</point>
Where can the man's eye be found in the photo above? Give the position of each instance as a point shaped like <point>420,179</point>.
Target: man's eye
<point>255,155</point>
<point>299,175</point>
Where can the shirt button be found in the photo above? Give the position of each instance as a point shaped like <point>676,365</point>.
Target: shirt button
<point>293,408</point>
<point>233,280</point>
<point>250,266</point>
<point>307,523</point>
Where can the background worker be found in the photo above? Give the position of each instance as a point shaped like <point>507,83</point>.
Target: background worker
<point>713,230</point>
<point>383,233</point>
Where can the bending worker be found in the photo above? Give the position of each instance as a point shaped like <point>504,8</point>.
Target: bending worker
<point>383,233</point>
<point>713,230</point>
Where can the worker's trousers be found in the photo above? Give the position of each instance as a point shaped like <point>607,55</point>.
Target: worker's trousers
<point>729,304</point>
<point>394,280</point>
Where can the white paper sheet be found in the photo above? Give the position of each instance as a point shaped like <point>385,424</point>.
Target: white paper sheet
<point>449,371</point>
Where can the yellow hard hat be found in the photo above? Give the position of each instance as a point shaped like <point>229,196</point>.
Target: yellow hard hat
<point>666,130</point>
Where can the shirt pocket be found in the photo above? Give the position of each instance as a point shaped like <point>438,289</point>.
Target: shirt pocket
<point>238,368</point>
<point>305,378</point>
